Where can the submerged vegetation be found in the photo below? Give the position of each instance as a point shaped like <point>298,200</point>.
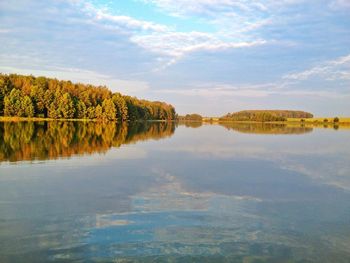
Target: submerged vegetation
<point>54,139</point>
<point>28,96</point>
<point>265,115</point>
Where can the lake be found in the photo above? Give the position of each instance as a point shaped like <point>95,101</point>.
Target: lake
<point>164,192</point>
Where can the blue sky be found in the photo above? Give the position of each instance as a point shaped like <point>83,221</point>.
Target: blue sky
<point>204,56</point>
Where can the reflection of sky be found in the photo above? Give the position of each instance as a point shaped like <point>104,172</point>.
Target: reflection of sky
<point>203,192</point>
<point>323,155</point>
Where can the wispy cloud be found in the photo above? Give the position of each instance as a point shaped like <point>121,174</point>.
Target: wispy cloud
<point>251,91</point>
<point>340,4</point>
<point>223,90</point>
<point>338,69</point>
<point>216,8</point>
<point>122,21</point>
<point>288,85</point>
<point>241,15</point>
<point>176,45</point>
<point>4,30</point>
<point>165,40</point>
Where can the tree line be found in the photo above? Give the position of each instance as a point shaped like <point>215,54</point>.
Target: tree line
<point>190,117</point>
<point>265,115</point>
<point>29,96</point>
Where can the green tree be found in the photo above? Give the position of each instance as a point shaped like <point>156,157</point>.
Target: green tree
<point>52,99</point>
<point>18,105</point>
<point>5,88</point>
<point>37,94</point>
<point>66,106</point>
<point>131,104</point>
<point>53,111</point>
<point>5,85</point>
<point>192,117</point>
<point>27,107</point>
<point>12,103</point>
<point>49,97</point>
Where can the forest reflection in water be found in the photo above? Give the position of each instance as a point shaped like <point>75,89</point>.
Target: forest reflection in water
<point>26,141</point>
<point>23,141</point>
<point>266,128</point>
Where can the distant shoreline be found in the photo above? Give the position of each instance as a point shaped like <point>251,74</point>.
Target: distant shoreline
<point>319,120</point>
<point>313,121</point>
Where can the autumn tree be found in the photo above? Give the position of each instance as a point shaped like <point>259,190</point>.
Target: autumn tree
<point>12,103</point>
<point>66,106</point>
<point>27,107</point>
<point>37,94</point>
<point>1,103</point>
<point>15,104</point>
<point>63,99</point>
<point>108,109</point>
<point>81,111</point>
<point>98,112</point>
<point>91,112</point>
<point>53,111</point>
<point>121,107</point>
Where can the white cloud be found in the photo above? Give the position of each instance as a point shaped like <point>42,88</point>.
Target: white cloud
<point>178,44</point>
<point>222,90</point>
<point>288,86</point>
<point>239,15</point>
<point>165,40</point>
<point>4,30</point>
<point>340,4</point>
<point>338,69</point>
<point>126,21</point>
<point>251,92</point>
<point>206,7</point>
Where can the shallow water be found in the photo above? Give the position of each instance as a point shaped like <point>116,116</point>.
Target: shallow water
<point>159,192</point>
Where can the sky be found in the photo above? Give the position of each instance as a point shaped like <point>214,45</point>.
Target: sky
<point>203,56</point>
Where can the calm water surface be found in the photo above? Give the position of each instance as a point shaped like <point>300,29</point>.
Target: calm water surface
<point>153,192</point>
